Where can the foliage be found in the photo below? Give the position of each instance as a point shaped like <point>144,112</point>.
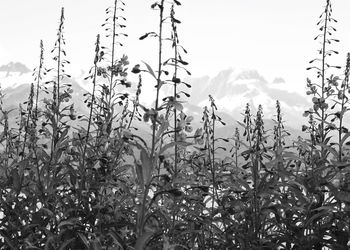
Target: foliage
<point>94,181</point>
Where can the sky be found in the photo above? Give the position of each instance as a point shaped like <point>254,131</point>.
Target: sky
<point>273,36</point>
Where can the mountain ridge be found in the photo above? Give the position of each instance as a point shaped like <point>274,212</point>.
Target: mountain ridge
<point>231,88</point>
<point>16,67</point>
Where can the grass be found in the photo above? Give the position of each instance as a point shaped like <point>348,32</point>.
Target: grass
<point>70,181</point>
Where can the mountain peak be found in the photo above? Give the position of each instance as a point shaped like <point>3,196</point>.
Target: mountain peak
<point>14,67</point>
<point>232,88</point>
<point>278,80</point>
<point>250,74</point>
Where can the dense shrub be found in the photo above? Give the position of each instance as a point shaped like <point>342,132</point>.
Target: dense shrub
<point>95,181</point>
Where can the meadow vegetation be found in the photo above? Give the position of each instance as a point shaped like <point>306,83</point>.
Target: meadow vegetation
<point>93,181</point>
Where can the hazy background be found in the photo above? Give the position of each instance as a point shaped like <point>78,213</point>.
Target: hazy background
<point>273,36</point>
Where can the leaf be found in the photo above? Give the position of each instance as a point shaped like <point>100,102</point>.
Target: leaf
<point>346,136</point>
<point>147,166</point>
<point>290,155</point>
<point>298,190</point>
<point>246,165</point>
<point>16,180</point>
<point>49,242</point>
<point>341,165</point>
<point>163,127</point>
<point>183,62</point>
<point>177,2</point>
<point>340,195</point>
<point>139,174</point>
<point>65,244</point>
<point>144,36</point>
<point>150,70</point>
<point>316,217</point>
<point>241,124</point>
<point>84,240</point>
<point>69,222</point>
<point>30,245</point>
<point>118,240</point>
<point>9,243</point>
<point>330,149</point>
<point>63,136</point>
<point>96,245</point>
<point>142,240</point>
<point>178,106</point>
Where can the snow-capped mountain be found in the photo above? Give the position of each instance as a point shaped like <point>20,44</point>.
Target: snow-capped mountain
<point>14,68</point>
<point>15,81</point>
<point>14,74</point>
<point>232,89</point>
